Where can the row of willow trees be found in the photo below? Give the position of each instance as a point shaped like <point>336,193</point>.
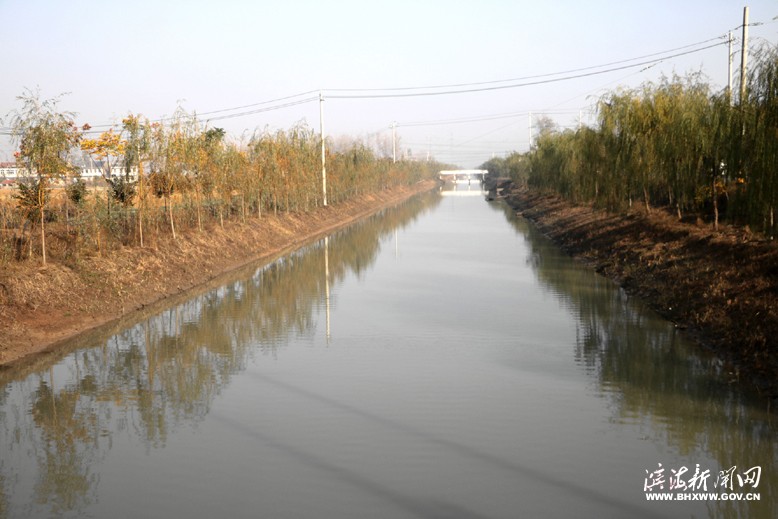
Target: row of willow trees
<point>173,176</point>
<point>673,144</point>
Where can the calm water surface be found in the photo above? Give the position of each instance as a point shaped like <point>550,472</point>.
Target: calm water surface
<point>441,359</point>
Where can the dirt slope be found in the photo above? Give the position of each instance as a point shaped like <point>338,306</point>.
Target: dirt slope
<point>42,306</point>
<point>720,286</point>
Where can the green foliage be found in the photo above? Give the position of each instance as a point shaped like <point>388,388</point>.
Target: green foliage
<point>137,145</point>
<point>31,198</point>
<point>197,172</point>
<point>515,166</point>
<point>76,192</point>
<point>45,136</point>
<point>672,144</point>
<point>122,190</point>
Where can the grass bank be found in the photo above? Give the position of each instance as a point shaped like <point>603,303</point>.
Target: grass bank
<point>721,287</point>
<point>42,306</point>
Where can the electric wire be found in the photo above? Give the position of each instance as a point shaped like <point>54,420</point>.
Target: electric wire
<point>230,116</point>
<point>449,89</point>
<point>520,85</point>
<point>95,128</point>
<point>262,110</point>
<point>457,85</point>
<point>479,118</point>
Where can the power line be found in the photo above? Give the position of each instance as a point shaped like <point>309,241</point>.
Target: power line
<point>477,118</point>
<point>457,85</point>
<point>262,110</point>
<point>267,102</point>
<point>228,116</point>
<point>455,89</point>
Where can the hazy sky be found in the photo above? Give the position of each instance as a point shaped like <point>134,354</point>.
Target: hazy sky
<point>146,57</point>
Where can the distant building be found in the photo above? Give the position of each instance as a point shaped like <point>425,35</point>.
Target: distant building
<point>8,170</point>
<point>88,169</point>
<point>92,169</point>
<point>98,170</point>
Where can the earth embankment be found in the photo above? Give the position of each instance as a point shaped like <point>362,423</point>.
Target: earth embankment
<point>720,286</point>
<point>42,306</point>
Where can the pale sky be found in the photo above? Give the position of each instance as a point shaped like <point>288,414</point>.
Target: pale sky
<point>147,56</point>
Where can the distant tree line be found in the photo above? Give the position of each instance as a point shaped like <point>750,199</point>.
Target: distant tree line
<point>177,175</point>
<point>671,144</point>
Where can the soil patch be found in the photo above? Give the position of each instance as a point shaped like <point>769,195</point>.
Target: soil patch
<point>722,287</point>
<point>42,306</point>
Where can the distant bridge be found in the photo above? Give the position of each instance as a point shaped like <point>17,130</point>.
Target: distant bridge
<point>463,174</point>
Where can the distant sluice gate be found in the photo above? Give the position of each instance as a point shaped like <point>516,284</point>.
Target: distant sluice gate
<point>463,176</point>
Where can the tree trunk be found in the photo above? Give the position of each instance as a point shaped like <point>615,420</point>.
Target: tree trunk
<point>169,204</point>
<point>140,202</point>
<point>243,207</point>
<point>715,202</point>
<point>98,231</point>
<point>41,203</point>
<point>199,217</point>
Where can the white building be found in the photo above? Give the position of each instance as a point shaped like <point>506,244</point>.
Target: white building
<point>88,170</point>
<point>8,170</point>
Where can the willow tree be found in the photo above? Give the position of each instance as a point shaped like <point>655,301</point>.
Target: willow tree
<point>304,160</point>
<point>202,157</point>
<point>45,137</point>
<point>275,165</point>
<point>549,157</point>
<point>760,129</point>
<point>618,127</point>
<point>254,169</point>
<point>174,156</point>
<point>209,163</point>
<point>136,150</point>
<point>680,106</point>
<point>717,121</point>
<point>643,126</point>
<point>259,158</point>
<point>236,177</point>
<point>108,148</point>
<point>160,178</point>
<point>591,151</point>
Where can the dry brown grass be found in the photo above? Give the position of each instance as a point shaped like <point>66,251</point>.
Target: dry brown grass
<point>40,306</point>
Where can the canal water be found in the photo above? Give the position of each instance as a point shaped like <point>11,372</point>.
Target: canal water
<point>441,359</point>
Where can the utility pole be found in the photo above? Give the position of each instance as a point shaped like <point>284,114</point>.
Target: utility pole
<point>530,131</point>
<point>744,56</point>
<point>729,70</point>
<point>323,159</point>
<point>394,142</point>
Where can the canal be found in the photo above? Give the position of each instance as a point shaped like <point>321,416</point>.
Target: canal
<point>441,359</point>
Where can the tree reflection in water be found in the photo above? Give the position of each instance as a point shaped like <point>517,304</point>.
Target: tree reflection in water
<point>59,419</point>
<point>652,375</point>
